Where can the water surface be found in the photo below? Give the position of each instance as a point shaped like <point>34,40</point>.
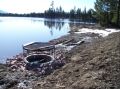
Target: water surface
<point>16,31</point>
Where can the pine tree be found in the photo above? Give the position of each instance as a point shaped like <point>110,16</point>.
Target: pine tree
<point>107,12</point>
<point>101,11</point>
<point>118,13</point>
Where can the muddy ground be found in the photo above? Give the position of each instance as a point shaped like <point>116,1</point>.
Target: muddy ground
<point>94,64</point>
<point>89,66</point>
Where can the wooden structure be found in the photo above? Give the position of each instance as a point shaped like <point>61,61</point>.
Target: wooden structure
<point>39,48</point>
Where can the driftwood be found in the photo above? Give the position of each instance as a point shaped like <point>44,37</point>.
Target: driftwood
<point>78,43</point>
<point>68,41</point>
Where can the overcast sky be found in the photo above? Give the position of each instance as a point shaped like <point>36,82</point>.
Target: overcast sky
<point>27,6</point>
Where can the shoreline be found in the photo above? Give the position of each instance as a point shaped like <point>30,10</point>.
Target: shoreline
<point>71,58</point>
<point>94,65</point>
<point>74,36</point>
<point>73,29</point>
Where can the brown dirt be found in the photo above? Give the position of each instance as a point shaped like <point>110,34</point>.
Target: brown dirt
<point>94,65</point>
<point>89,66</point>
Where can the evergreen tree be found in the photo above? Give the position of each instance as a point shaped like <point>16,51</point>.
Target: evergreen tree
<point>72,13</point>
<point>107,12</point>
<point>118,13</point>
<point>78,13</point>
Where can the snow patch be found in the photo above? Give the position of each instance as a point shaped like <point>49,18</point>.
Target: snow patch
<point>28,43</point>
<point>102,33</point>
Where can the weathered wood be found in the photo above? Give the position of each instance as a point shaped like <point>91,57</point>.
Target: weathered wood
<point>39,47</point>
<point>66,42</point>
<point>78,43</point>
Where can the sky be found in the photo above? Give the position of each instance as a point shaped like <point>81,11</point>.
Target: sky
<point>28,6</point>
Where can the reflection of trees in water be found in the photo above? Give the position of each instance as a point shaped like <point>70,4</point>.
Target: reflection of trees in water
<point>0,20</point>
<point>74,24</point>
<point>51,24</point>
<point>54,24</point>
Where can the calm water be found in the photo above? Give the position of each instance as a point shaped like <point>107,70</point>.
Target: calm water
<point>16,31</point>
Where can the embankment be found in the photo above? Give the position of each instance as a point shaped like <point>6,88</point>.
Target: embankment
<point>89,66</point>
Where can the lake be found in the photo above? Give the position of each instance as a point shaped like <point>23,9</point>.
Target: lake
<point>16,31</point>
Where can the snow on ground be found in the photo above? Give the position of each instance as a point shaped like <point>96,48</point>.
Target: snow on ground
<point>102,33</point>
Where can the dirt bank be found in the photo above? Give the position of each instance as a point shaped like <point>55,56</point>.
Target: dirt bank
<point>94,64</point>
<point>89,66</point>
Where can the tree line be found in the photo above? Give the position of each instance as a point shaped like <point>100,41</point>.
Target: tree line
<point>73,14</point>
<point>52,13</point>
<point>60,13</point>
<point>106,13</point>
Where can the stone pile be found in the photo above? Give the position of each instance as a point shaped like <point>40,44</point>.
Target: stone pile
<point>18,63</point>
<point>47,68</point>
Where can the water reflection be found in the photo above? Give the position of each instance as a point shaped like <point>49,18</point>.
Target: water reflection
<point>0,20</point>
<point>71,24</point>
<point>57,24</point>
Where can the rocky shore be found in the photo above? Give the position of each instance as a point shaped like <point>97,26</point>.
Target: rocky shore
<point>92,64</point>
